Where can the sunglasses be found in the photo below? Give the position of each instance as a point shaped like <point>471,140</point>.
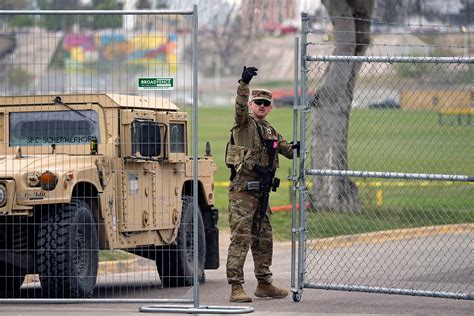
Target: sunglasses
<point>262,102</point>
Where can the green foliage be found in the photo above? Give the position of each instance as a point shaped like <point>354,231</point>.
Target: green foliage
<point>414,70</point>
<point>59,4</point>
<point>20,78</point>
<point>58,22</point>
<point>21,21</point>
<point>110,21</point>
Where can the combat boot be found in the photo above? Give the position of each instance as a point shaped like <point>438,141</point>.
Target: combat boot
<point>238,294</point>
<point>269,290</point>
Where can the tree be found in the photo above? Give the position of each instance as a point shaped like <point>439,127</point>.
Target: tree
<point>58,22</point>
<point>332,104</point>
<point>15,21</point>
<point>224,40</point>
<point>109,21</point>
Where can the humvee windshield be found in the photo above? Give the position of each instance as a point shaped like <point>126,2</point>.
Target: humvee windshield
<point>53,127</point>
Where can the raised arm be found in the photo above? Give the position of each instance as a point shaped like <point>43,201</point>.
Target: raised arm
<point>241,101</point>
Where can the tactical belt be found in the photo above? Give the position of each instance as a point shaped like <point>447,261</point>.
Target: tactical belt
<point>257,185</point>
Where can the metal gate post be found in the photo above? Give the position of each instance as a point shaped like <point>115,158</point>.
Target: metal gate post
<point>301,176</point>
<point>294,178</point>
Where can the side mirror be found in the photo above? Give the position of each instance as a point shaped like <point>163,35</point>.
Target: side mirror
<point>146,138</point>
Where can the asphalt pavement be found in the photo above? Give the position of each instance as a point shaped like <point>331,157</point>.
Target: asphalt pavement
<point>144,285</point>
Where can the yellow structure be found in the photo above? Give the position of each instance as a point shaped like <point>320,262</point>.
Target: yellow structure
<point>441,100</point>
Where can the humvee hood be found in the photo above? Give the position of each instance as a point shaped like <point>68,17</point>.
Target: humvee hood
<point>58,163</point>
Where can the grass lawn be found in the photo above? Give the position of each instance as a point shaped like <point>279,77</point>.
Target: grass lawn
<point>113,255</point>
<point>379,140</point>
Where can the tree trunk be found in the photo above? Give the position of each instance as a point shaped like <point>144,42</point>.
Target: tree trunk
<point>332,106</point>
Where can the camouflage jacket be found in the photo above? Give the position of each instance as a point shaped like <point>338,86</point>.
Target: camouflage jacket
<point>248,149</point>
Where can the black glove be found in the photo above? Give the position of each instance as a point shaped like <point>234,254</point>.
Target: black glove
<point>297,147</point>
<point>248,73</point>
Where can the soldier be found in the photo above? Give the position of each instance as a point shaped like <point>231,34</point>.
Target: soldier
<point>252,155</point>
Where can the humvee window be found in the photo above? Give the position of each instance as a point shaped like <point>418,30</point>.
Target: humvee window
<point>52,127</point>
<point>177,138</point>
<point>146,138</point>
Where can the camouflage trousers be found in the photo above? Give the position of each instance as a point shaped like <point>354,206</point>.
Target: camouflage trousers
<point>243,222</point>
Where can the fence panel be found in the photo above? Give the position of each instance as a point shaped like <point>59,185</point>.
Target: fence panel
<point>96,175</point>
<point>409,226</point>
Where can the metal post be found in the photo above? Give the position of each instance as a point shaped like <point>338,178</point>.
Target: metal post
<point>94,12</point>
<point>302,178</point>
<point>293,170</point>
<point>195,160</point>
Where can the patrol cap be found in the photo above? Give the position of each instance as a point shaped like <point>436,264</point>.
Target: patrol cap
<point>261,94</point>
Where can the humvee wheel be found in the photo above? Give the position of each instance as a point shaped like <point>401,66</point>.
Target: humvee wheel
<point>68,251</point>
<point>175,263</point>
<point>11,277</point>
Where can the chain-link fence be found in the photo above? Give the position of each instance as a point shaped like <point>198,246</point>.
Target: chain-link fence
<point>98,189</point>
<point>403,222</point>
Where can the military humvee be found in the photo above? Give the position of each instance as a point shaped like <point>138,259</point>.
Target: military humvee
<point>80,173</point>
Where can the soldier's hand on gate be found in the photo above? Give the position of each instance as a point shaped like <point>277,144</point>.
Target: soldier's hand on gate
<point>296,146</point>
<point>248,73</point>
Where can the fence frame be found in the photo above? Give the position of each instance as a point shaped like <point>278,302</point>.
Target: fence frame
<point>194,292</point>
<point>299,175</point>
<point>96,12</point>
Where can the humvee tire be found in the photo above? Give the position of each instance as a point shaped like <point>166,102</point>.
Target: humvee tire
<point>175,263</point>
<point>11,277</point>
<point>68,251</point>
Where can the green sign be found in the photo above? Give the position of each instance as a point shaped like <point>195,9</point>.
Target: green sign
<point>155,83</point>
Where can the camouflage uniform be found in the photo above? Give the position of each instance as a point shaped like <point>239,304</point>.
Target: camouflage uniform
<point>244,205</point>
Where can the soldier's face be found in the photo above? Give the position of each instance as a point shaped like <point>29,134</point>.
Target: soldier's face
<point>260,111</point>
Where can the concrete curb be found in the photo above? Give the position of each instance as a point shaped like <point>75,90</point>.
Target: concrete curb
<point>123,266</point>
<point>112,267</point>
<point>386,235</point>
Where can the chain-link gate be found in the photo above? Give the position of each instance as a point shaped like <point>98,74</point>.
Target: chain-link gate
<point>102,195</point>
<point>404,223</point>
